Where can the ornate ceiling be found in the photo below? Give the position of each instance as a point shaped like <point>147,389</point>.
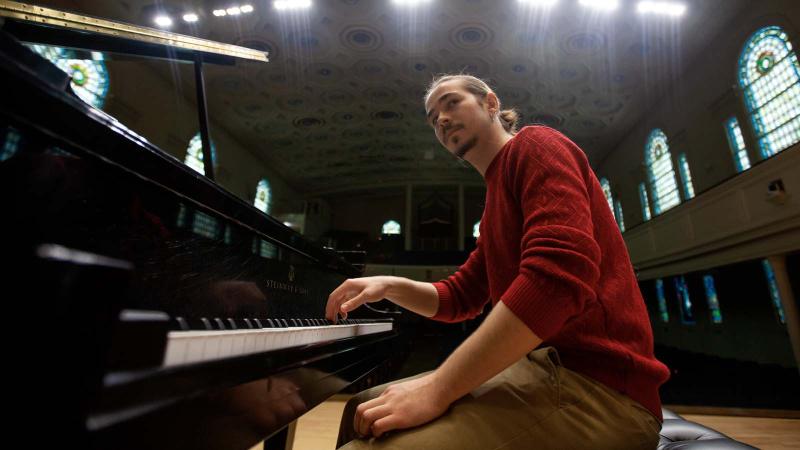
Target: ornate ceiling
<point>339,106</point>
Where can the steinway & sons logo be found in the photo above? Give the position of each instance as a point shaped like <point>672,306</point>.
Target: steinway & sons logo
<point>288,287</point>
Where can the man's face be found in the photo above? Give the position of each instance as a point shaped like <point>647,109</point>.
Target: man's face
<point>458,118</point>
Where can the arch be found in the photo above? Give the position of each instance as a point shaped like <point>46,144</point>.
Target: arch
<point>263,200</point>
<point>391,227</point>
<point>769,75</point>
<point>194,154</point>
<point>89,76</point>
<point>660,172</point>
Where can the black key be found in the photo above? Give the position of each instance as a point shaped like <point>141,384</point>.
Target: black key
<point>231,324</point>
<point>219,324</point>
<point>181,324</point>
<point>206,323</point>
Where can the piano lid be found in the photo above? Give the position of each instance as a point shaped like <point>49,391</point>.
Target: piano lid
<point>30,23</point>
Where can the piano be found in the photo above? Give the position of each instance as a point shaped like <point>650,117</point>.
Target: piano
<point>149,307</point>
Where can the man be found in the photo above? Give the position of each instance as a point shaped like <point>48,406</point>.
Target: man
<point>565,358</point>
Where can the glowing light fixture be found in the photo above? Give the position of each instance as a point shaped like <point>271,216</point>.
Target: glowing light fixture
<point>660,7</point>
<point>190,17</point>
<point>285,5</point>
<point>606,5</point>
<point>539,3</point>
<point>219,13</point>
<point>247,9</point>
<point>409,2</point>
<point>233,11</point>
<point>163,21</point>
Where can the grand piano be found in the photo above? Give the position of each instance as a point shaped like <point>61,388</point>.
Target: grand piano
<point>129,328</point>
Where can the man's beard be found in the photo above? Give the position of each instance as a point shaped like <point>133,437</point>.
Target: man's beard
<point>467,146</point>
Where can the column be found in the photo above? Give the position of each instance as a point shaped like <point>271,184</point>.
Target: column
<point>461,217</point>
<point>407,224</point>
<point>788,302</point>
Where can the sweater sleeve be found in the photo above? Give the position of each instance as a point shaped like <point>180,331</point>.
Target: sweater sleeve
<point>463,294</point>
<point>559,256</point>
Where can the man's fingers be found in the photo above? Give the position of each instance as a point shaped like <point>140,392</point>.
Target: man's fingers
<point>354,302</point>
<point>362,408</point>
<point>384,424</point>
<point>371,415</point>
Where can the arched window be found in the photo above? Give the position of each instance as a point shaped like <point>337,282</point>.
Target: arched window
<point>686,176</point>
<point>684,301</point>
<point>89,76</point>
<point>10,144</point>
<point>711,297</point>
<point>774,294</point>
<point>263,199</point>
<point>736,141</point>
<point>645,202</point>
<point>662,301</point>
<point>604,183</point>
<point>194,154</point>
<point>476,230</point>
<point>769,75</point>
<point>391,227</point>
<point>660,172</point>
<point>618,213</point>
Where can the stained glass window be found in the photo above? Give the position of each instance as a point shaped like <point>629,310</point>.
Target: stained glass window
<point>662,300</point>
<point>645,202</point>
<point>772,284</point>
<point>606,185</point>
<point>263,199</point>
<point>194,154</point>
<point>769,74</point>
<point>89,76</point>
<point>736,141</point>
<point>618,211</point>
<point>10,144</point>
<point>660,172</point>
<point>684,301</point>
<point>391,227</point>
<point>686,176</point>
<point>205,225</point>
<point>711,298</point>
<point>476,230</point>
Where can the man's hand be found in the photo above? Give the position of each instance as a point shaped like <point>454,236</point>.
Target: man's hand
<point>402,405</point>
<point>355,292</point>
<point>415,296</point>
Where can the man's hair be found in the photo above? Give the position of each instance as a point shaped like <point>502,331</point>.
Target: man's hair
<point>479,88</point>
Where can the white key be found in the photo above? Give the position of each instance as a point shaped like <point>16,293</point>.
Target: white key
<point>185,347</point>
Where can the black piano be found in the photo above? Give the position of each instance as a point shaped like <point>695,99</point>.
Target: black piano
<point>131,328</point>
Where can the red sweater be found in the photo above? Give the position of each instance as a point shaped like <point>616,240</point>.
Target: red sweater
<point>550,249</point>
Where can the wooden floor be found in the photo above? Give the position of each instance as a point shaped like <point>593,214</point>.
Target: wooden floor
<point>317,429</point>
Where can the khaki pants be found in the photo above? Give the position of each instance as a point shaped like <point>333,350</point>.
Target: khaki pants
<point>534,404</point>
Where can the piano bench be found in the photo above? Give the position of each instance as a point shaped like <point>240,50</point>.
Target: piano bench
<point>679,433</point>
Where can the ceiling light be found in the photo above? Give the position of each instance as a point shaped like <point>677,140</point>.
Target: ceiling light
<point>606,5</point>
<point>283,5</point>
<point>409,2</point>
<point>246,8</point>
<point>664,8</point>
<point>539,3</point>
<point>233,11</point>
<point>163,21</point>
<point>219,13</point>
<point>190,17</point>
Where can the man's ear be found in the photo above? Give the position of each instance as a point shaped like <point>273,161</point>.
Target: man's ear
<point>492,102</point>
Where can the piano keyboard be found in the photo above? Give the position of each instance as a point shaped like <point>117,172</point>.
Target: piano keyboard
<point>185,347</point>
